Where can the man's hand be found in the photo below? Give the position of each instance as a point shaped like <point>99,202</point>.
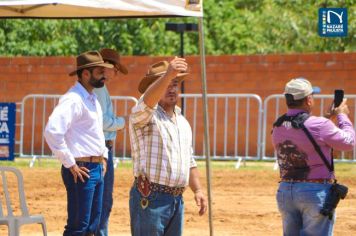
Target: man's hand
<point>79,172</point>
<point>104,166</point>
<point>201,201</point>
<point>157,89</point>
<point>175,66</point>
<point>342,108</point>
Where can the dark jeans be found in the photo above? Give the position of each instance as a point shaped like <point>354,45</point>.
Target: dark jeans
<point>84,200</point>
<point>164,215</point>
<point>107,197</point>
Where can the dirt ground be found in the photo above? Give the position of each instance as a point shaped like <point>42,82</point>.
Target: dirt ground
<point>243,202</point>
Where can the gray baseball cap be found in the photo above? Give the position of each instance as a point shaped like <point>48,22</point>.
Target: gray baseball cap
<point>300,88</point>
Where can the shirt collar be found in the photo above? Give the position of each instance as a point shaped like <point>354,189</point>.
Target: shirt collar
<point>293,112</point>
<point>177,110</point>
<point>83,92</point>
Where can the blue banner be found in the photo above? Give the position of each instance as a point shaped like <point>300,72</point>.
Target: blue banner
<point>333,22</point>
<point>7,131</point>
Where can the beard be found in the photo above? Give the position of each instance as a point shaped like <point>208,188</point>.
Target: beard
<point>96,83</point>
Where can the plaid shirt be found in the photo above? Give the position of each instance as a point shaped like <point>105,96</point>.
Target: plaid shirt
<point>161,149</point>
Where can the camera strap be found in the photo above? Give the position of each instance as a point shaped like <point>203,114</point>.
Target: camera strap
<point>297,122</point>
<point>318,150</point>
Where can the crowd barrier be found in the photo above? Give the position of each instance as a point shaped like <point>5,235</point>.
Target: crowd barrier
<point>235,125</point>
<point>35,110</point>
<point>239,128</point>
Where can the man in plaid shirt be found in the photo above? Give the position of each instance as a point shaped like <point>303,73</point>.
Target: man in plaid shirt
<point>161,146</point>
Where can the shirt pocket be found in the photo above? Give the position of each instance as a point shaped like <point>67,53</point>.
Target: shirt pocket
<point>148,129</point>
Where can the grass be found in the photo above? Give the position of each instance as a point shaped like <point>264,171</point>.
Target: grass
<point>342,169</point>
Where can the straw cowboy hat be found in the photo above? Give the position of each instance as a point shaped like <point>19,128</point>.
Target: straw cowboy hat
<point>90,59</point>
<point>113,57</point>
<point>154,72</point>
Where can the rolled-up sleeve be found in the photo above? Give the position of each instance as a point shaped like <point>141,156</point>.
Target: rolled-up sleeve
<point>112,123</point>
<point>141,114</point>
<point>340,138</point>
<point>58,124</point>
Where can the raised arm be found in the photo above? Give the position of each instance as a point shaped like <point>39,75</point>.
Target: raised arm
<point>158,88</point>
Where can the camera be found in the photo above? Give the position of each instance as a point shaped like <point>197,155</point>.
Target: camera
<point>337,192</point>
<point>338,97</point>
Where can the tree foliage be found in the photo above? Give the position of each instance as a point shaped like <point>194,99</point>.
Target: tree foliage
<point>231,27</point>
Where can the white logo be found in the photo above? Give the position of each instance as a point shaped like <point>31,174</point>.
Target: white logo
<point>335,13</point>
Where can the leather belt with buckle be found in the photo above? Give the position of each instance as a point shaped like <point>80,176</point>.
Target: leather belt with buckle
<point>319,181</point>
<point>153,187</point>
<point>91,159</point>
<point>175,191</point>
<point>109,143</point>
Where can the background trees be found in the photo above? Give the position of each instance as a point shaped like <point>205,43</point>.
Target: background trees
<point>231,27</point>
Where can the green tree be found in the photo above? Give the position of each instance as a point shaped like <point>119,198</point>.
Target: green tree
<point>231,27</point>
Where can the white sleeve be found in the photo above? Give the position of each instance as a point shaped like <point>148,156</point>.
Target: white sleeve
<point>58,124</point>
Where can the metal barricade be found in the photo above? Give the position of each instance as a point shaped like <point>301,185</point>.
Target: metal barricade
<point>235,125</point>
<point>35,110</point>
<point>122,148</point>
<point>18,125</point>
<point>274,106</point>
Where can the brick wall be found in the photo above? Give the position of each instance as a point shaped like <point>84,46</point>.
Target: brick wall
<point>259,74</point>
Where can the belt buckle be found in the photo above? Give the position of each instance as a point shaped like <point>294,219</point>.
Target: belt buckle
<point>80,163</point>
<point>143,185</point>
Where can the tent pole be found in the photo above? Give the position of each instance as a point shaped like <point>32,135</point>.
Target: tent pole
<point>206,122</point>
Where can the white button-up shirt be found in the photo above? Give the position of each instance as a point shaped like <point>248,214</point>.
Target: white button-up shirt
<point>75,127</point>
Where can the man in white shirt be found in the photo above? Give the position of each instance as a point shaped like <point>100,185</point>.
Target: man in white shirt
<point>74,133</point>
<point>111,124</point>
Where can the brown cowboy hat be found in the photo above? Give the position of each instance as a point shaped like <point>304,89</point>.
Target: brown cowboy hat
<point>154,72</point>
<point>113,57</point>
<point>90,59</point>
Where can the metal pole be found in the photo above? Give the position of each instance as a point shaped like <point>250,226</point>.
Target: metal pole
<point>206,123</point>
<point>182,55</point>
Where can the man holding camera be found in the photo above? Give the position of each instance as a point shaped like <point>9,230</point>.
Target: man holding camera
<point>304,144</point>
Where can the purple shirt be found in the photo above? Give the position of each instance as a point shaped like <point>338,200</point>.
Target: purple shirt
<point>296,155</point>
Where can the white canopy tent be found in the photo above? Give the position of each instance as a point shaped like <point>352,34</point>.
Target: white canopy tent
<point>70,9</point>
<point>98,8</point>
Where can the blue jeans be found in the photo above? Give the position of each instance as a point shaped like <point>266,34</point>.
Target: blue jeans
<point>107,196</point>
<point>83,200</point>
<point>300,205</point>
<point>163,215</point>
